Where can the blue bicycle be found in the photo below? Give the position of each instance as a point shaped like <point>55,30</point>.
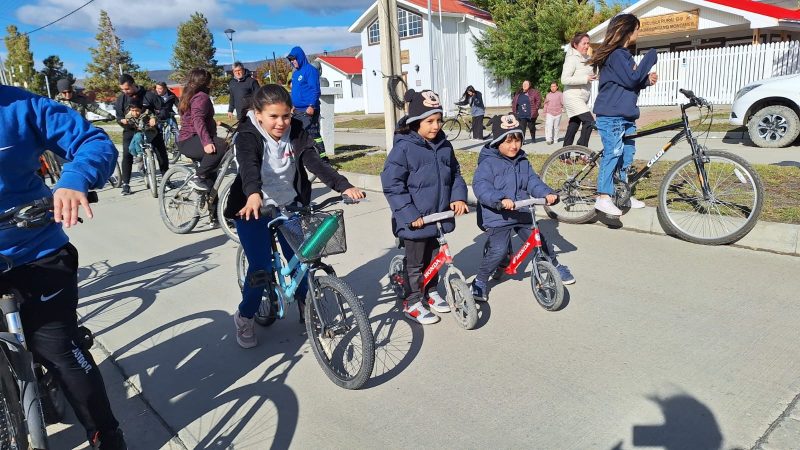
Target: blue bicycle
<point>335,320</point>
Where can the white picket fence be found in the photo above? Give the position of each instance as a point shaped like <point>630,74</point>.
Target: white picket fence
<point>716,74</point>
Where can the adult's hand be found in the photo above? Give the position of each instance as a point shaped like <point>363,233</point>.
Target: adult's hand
<point>65,206</point>
<point>310,110</point>
<point>210,149</point>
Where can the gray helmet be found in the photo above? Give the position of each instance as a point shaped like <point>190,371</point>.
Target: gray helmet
<point>64,85</point>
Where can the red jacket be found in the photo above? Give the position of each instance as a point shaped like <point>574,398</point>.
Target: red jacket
<point>536,102</point>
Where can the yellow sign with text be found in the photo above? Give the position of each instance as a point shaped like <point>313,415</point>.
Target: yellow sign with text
<point>669,23</point>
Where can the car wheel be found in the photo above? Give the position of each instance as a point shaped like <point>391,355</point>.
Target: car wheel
<point>774,126</point>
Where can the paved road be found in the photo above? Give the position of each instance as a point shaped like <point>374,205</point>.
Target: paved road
<point>663,343</point>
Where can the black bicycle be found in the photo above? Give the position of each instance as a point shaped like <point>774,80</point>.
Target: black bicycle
<point>30,397</point>
<point>710,197</point>
<point>169,131</point>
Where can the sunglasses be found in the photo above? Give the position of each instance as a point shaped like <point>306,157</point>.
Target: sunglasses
<point>291,58</point>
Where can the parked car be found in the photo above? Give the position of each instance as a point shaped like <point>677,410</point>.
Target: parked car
<point>770,109</point>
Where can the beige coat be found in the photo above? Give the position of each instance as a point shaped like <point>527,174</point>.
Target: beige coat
<point>575,78</point>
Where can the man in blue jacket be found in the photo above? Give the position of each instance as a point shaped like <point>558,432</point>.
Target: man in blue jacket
<point>305,96</point>
<point>39,264</point>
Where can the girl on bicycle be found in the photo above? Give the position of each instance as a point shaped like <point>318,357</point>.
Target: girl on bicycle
<point>421,176</point>
<point>620,82</point>
<point>272,153</point>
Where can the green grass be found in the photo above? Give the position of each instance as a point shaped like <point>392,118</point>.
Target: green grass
<point>367,122</point>
<point>781,183</point>
<point>719,124</point>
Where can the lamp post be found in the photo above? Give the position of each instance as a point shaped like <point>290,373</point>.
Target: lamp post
<point>229,32</point>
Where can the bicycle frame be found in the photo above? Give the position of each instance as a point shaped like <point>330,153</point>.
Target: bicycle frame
<point>534,242</point>
<point>438,263</point>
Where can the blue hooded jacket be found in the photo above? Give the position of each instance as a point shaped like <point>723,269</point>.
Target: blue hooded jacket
<point>421,178</point>
<point>305,82</point>
<point>31,124</point>
<point>498,177</point>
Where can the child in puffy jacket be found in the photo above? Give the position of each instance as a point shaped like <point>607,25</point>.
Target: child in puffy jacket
<point>504,175</point>
<point>421,177</point>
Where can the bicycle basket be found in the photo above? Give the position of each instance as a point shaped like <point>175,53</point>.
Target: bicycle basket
<point>301,234</point>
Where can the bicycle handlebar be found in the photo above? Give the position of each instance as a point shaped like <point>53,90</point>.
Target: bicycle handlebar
<point>437,217</point>
<point>34,214</point>
<point>522,204</point>
<point>695,100</point>
<point>272,210</point>
<point>227,127</point>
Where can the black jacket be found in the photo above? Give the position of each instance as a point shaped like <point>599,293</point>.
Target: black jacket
<point>149,100</point>
<point>249,148</point>
<point>241,92</point>
<point>168,101</point>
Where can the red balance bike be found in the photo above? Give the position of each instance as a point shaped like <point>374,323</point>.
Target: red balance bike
<point>545,281</point>
<point>459,295</point>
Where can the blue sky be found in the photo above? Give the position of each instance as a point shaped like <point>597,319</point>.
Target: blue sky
<point>148,27</point>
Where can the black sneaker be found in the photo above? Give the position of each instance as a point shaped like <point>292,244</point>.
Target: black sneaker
<point>480,292</point>
<point>126,189</point>
<point>199,184</point>
<point>113,440</point>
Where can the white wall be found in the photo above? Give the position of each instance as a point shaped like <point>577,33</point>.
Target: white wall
<point>348,103</point>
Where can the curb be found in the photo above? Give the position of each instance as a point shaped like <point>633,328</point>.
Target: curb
<point>772,237</point>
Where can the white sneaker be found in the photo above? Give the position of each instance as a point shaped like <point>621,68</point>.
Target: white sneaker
<point>637,204</point>
<point>607,206</point>
<point>418,313</point>
<point>245,333</point>
<point>437,303</point>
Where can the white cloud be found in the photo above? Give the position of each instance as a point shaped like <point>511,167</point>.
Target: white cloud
<point>315,6</point>
<point>311,39</point>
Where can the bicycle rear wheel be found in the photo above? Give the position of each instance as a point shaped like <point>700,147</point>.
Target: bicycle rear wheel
<point>547,287</point>
<point>452,129</point>
<point>179,204</point>
<point>726,215</point>
<point>398,278</point>
<point>570,171</point>
<point>13,435</point>
<point>345,347</point>
<point>228,225</point>
<point>268,309</point>
<point>115,180</point>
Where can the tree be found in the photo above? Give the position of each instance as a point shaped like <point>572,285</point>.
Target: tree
<point>108,59</point>
<point>280,72</point>
<point>194,49</point>
<point>19,62</point>
<point>53,71</point>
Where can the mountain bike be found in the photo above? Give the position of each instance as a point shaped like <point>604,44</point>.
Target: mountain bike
<point>452,126</point>
<point>337,325</point>
<point>147,165</point>
<point>30,397</point>
<point>710,197</point>
<point>181,206</point>
<point>459,295</point>
<point>169,131</point>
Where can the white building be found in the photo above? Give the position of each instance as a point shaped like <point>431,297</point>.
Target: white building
<point>455,64</point>
<point>345,72</point>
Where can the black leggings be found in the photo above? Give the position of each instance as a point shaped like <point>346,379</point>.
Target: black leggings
<point>419,253</point>
<point>127,159</point>
<point>192,148</point>
<point>49,287</point>
<point>584,119</point>
<point>477,127</point>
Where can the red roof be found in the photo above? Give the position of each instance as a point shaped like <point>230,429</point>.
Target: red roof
<point>761,8</point>
<point>348,65</point>
<point>454,6</point>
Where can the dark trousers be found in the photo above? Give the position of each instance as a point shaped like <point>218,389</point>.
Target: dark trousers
<point>527,124</point>
<point>192,148</point>
<point>49,290</point>
<point>497,249</point>
<point>419,254</point>
<point>127,159</point>
<point>477,127</point>
<point>584,120</point>
<point>311,125</point>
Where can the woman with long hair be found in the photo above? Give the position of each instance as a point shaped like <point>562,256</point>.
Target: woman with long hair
<point>577,77</point>
<point>197,138</point>
<point>474,99</point>
<point>621,79</point>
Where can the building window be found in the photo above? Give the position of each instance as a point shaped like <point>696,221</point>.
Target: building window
<point>409,24</point>
<point>373,34</point>
<point>338,84</point>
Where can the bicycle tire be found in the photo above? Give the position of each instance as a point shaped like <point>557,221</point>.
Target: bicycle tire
<point>742,214</point>
<point>54,402</point>
<point>487,125</point>
<point>172,146</point>
<point>152,181</point>
<point>452,129</point>
<point>228,225</point>
<point>173,198</point>
<point>547,287</point>
<point>115,180</point>
<point>53,163</point>
<point>267,310</point>
<point>464,310</point>
<point>577,197</point>
<point>398,278</point>
<point>13,434</point>
<point>328,352</point>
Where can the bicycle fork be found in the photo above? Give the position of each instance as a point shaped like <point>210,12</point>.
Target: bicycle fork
<point>533,242</point>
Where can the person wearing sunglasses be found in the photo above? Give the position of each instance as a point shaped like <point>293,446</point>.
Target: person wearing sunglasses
<point>78,101</point>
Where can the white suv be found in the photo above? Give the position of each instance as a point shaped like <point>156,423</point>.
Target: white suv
<point>770,108</point>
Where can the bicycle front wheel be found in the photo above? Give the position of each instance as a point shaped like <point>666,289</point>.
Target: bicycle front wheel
<point>724,214</point>
<point>546,284</point>
<point>228,225</point>
<point>344,346</point>
<point>570,171</point>
<point>172,146</point>
<point>179,204</point>
<point>115,180</point>
<point>462,302</point>
<point>13,435</point>
<point>452,129</point>
<point>152,181</point>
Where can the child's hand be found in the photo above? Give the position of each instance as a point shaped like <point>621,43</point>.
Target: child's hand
<point>152,121</point>
<point>507,203</point>
<point>459,207</point>
<point>417,223</point>
<point>124,121</point>
<point>551,199</point>
<point>653,78</point>
<point>354,193</point>
<point>251,207</point>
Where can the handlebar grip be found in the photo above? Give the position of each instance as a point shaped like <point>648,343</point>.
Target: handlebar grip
<point>519,204</point>
<point>92,197</point>
<point>687,93</point>
<point>436,217</point>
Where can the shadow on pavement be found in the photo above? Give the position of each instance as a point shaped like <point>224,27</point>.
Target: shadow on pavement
<point>738,136</point>
<point>787,164</point>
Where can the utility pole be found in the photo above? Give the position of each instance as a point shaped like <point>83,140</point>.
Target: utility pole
<point>390,62</point>
<point>430,47</point>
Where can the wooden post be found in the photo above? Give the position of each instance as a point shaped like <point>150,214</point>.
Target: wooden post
<point>756,37</point>
<point>390,62</point>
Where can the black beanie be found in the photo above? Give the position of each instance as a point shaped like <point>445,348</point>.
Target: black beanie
<point>502,126</point>
<point>64,85</point>
<point>423,104</point>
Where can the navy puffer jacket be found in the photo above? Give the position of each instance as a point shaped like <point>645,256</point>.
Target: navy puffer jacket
<point>498,177</point>
<point>421,178</point>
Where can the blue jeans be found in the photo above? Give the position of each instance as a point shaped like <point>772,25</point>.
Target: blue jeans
<point>255,237</point>
<point>617,151</point>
